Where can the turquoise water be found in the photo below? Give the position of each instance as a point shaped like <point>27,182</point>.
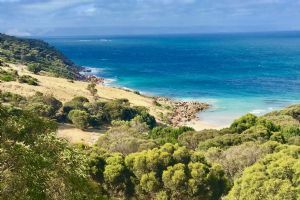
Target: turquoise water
<point>236,73</point>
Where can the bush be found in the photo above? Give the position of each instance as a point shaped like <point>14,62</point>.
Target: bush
<point>8,75</point>
<point>35,164</point>
<point>176,171</point>
<point>243,123</point>
<point>255,133</point>
<point>13,99</point>
<point>191,139</point>
<point>168,134</point>
<point>76,103</point>
<point>236,158</point>
<point>293,111</point>
<point>79,118</point>
<point>290,131</point>
<point>120,110</point>
<point>92,88</point>
<point>28,79</point>
<point>34,68</point>
<point>147,118</point>
<point>274,177</point>
<point>126,137</point>
<point>44,105</point>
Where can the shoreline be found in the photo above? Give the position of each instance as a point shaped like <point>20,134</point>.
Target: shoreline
<point>183,112</point>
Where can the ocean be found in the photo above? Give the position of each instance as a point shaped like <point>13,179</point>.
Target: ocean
<point>236,73</point>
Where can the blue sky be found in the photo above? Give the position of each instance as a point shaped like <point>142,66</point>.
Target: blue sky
<point>91,17</point>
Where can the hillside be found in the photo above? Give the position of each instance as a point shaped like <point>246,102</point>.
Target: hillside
<point>38,56</point>
<point>66,139</point>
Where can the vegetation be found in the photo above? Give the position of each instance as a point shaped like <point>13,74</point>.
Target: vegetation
<point>12,75</point>
<point>136,158</point>
<point>92,89</point>
<point>127,137</point>
<point>140,159</point>
<point>79,118</point>
<point>8,75</point>
<point>168,172</point>
<point>168,134</point>
<point>38,56</point>
<point>34,164</point>
<point>274,177</point>
<point>28,79</point>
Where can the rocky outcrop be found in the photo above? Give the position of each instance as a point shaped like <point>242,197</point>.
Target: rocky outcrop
<point>182,111</point>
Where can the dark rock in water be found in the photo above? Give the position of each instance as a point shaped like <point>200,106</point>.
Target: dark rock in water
<point>87,71</point>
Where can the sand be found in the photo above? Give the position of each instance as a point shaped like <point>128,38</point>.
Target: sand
<point>77,136</point>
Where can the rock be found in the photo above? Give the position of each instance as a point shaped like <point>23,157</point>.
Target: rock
<point>182,111</point>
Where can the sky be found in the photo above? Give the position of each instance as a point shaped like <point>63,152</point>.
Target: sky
<point>105,17</point>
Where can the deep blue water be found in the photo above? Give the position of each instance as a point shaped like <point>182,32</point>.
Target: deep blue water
<point>237,73</point>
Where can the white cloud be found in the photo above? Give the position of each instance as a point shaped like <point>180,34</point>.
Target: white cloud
<point>86,10</point>
<point>52,5</point>
<point>17,32</point>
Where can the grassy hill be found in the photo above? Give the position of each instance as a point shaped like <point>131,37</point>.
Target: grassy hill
<point>38,56</point>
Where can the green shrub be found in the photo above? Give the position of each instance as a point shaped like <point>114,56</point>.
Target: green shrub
<point>92,89</point>
<point>35,164</point>
<point>14,99</point>
<point>243,123</point>
<point>79,118</point>
<point>191,139</point>
<point>126,137</point>
<point>76,103</point>
<point>34,68</point>
<point>28,79</point>
<point>168,134</point>
<point>274,177</point>
<point>147,118</point>
<point>8,75</point>
<point>44,105</point>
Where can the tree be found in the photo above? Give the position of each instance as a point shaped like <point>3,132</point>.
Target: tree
<point>236,158</point>
<point>77,103</point>
<point>168,134</point>
<point>35,68</point>
<point>93,90</point>
<point>274,177</point>
<point>34,164</point>
<point>126,137</point>
<point>176,173</point>
<point>44,105</point>
<point>191,139</point>
<point>79,118</point>
<point>243,123</point>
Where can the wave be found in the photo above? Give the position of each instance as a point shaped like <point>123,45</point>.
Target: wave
<point>105,40</point>
<point>93,70</point>
<point>85,40</point>
<point>258,111</point>
<point>99,40</point>
<point>109,81</point>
